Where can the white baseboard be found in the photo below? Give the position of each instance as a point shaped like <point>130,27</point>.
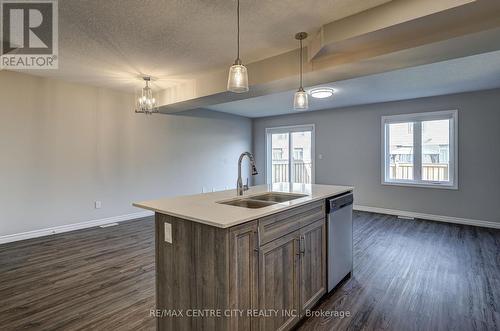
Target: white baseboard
<point>431,217</point>
<point>72,227</point>
<point>121,218</point>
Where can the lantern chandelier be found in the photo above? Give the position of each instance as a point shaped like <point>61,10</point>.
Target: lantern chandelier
<point>146,102</point>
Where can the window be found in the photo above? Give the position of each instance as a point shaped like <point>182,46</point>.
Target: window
<point>278,153</point>
<point>290,154</point>
<point>298,153</point>
<point>420,149</point>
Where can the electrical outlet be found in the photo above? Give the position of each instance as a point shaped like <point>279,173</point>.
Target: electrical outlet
<point>98,204</point>
<point>168,232</point>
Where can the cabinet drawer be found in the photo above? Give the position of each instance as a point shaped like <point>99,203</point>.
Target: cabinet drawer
<point>278,225</point>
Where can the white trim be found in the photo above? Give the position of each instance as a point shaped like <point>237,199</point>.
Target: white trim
<point>417,119</point>
<point>417,152</point>
<point>72,227</point>
<point>431,217</point>
<point>411,183</point>
<point>290,129</point>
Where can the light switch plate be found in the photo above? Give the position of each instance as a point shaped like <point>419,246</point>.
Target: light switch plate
<point>168,232</point>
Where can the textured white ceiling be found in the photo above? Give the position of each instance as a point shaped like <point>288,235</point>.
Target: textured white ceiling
<point>112,42</point>
<point>472,73</point>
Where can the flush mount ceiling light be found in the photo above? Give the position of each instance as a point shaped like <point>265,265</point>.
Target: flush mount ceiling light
<point>238,77</point>
<point>300,101</point>
<point>321,92</point>
<point>146,102</point>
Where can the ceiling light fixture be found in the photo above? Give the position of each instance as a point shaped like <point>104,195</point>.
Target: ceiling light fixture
<point>238,76</point>
<point>146,103</point>
<point>321,92</point>
<point>300,101</point>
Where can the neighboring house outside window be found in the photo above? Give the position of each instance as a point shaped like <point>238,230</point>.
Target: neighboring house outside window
<point>277,153</point>
<point>298,154</point>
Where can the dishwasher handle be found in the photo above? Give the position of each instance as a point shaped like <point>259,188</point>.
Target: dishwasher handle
<point>339,202</point>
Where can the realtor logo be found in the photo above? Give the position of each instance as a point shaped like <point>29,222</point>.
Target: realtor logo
<point>29,34</point>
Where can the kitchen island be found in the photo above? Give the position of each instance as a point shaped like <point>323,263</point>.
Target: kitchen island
<point>251,262</point>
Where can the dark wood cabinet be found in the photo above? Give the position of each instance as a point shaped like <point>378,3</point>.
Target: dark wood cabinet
<point>312,264</point>
<point>274,266</point>
<point>192,274</point>
<point>292,275</point>
<point>278,283</point>
<point>243,270</point>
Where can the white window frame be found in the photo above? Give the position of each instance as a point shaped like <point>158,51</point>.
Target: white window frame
<point>417,119</point>
<point>289,130</point>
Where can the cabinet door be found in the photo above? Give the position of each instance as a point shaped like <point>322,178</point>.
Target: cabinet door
<point>278,283</point>
<point>312,264</point>
<point>243,268</point>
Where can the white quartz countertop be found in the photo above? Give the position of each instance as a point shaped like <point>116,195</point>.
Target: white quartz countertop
<point>203,208</point>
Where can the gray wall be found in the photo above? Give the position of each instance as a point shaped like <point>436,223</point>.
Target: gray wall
<point>63,146</point>
<point>349,140</point>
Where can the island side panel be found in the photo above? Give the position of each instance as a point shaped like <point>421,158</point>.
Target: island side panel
<point>192,273</point>
<point>243,288</point>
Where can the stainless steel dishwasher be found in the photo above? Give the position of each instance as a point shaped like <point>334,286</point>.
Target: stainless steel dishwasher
<point>339,227</point>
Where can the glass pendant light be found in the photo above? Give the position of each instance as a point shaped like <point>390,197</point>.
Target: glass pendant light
<point>147,103</point>
<point>238,77</point>
<point>300,100</point>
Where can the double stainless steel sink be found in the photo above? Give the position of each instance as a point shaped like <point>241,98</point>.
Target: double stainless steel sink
<point>262,200</point>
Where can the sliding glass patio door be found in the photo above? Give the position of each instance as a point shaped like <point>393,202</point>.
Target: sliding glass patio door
<point>290,154</point>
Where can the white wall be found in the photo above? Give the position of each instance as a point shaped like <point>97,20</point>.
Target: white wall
<point>63,146</point>
<point>349,140</point>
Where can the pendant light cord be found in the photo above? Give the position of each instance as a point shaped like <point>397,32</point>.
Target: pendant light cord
<point>301,64</point>
<point>238,39</point>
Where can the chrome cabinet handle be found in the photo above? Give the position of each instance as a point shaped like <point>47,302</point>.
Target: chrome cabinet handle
<point>302,245</point>
<point>298,252</point>
<point>256,247</point>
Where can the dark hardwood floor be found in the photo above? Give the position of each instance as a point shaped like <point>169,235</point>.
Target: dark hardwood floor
<point>408,275</point>
<point>418,275</point>
<point>95,279</point>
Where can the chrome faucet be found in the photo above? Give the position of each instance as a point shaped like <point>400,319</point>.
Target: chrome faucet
<point>239,185</point>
